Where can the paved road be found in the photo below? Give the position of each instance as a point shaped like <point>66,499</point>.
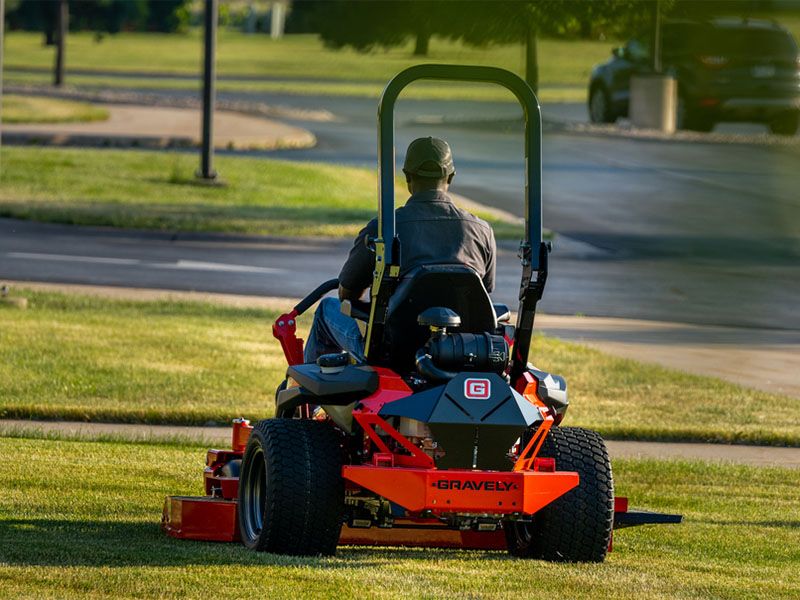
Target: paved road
<point>681,232</point>
<point>761,456</point>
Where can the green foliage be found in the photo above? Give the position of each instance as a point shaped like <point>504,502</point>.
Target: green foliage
<point>31,109</point>
<point>110,16</point>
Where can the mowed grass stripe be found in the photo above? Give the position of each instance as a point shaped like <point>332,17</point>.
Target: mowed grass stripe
<point>158,190</point>
<point>95,359</point>
<point>81,519</point>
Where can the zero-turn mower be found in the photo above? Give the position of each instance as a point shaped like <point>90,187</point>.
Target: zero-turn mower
<point>445,436</point>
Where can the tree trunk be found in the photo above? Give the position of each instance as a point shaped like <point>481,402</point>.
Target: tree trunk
<point>586,28</point>
<point>423,41</point>
<point>61,40</point>
<point>531,59</point>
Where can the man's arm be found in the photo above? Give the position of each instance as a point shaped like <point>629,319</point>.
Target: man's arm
<point>491,262</point>
<point>356,274</point>
<point>347,294</point>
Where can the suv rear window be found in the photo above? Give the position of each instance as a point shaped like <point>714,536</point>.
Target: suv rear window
<point>729,41</point>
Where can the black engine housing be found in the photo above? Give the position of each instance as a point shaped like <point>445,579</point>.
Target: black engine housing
<point>469,352</point>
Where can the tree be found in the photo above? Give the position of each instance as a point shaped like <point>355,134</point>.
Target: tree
<point>368,24</point>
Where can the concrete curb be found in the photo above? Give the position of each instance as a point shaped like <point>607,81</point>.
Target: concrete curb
<point>161,127</point>
<point>258,109</point>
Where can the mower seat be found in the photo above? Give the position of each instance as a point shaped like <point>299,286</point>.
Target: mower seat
<point>456,287</point>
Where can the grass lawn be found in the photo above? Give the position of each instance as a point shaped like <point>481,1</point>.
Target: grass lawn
<point>30,109</point>
<point>297,64</point>
<point>75,357</point>
<point>80,519</point>
<point>157,190</point>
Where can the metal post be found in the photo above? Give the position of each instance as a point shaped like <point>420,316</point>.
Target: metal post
<point>657,36</point>
<point>62,27</point>
<point>209,96</point>
<point>2,38</point>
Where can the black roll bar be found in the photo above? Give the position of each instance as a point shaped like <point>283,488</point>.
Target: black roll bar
<point>533,145</point>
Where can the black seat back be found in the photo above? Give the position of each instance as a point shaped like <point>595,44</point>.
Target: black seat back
<point>452,286</point>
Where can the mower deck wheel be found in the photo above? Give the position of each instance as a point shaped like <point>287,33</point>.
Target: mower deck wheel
<point>577,526</point>
<point>291,492</point>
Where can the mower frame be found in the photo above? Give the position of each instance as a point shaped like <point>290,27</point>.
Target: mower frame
<point>450,507</point>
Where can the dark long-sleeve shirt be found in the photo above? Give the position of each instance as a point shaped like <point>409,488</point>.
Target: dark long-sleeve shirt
<point>432,230</point>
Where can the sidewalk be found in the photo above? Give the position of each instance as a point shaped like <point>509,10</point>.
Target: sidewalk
<point>761,456</point>
<point>160,127</point>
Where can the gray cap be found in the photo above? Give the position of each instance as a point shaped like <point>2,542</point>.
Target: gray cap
<point>429,157</point>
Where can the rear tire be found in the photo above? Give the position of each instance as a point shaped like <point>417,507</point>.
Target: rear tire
<point>691,119</point>
<point>577,526</point>
<point>291,491</point>
<point>600,106</point>
<point>785,124</point>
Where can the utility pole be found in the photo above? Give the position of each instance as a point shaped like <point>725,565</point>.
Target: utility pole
<point>62,26</point>
<point>657,36</point>
<point>207,171</point>
<point>2,39</point>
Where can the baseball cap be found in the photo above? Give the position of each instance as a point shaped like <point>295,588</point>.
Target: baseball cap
<point>429,157</point>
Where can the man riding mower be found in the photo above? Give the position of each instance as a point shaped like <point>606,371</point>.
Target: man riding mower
<point>435,431</point>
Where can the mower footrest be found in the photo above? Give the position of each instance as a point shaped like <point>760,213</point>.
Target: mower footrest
<point>200,518</point>
<point>632,518</point>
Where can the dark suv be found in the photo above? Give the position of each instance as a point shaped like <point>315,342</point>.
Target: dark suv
<point>727,70</point>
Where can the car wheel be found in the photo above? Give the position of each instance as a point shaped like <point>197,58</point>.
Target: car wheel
<point>600,106</point>
<point>786,123</point>
<point>690,119</point>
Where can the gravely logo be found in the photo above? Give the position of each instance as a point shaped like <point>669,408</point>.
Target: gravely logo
<point>477,486</point>
<point>477,389</point>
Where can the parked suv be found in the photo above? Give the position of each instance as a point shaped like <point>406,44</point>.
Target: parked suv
<point>727,70</point>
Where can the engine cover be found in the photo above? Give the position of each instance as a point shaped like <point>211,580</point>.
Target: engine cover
<point>475,418</point>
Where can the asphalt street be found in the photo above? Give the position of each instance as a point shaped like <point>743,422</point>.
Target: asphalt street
<point>682,232</point>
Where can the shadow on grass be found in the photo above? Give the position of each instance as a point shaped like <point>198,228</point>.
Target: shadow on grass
<point>66,543</point>
<point>770,524</point>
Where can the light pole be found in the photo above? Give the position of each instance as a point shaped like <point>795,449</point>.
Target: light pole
<point>207,171</point>
<point>2,38</point>
<point>62,27</point>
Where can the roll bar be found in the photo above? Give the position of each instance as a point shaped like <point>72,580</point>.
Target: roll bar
<point>533,146</point>
<point>533,252</point>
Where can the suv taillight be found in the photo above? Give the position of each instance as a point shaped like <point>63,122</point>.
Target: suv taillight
<point>713,62</point>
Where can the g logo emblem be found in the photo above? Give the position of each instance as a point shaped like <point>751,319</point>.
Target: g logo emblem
<point>477,389</point>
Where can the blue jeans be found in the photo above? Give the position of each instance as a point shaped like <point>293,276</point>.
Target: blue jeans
<point>333,332</point>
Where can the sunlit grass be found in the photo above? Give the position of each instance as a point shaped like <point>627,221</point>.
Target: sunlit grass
<point>80,519</point>
<point>30,109</point>
<point>75,357</point>
<point>296,64</point>
<point>158,190</point>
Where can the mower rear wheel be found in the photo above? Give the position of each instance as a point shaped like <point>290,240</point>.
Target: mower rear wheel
<point>577,526</point>
<point>291,491</point>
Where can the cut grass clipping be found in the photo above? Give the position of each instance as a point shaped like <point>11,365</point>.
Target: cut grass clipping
<point>80,519</point>
<point>94,359</point>
<point>30,109</point>
<point>158,190</point>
